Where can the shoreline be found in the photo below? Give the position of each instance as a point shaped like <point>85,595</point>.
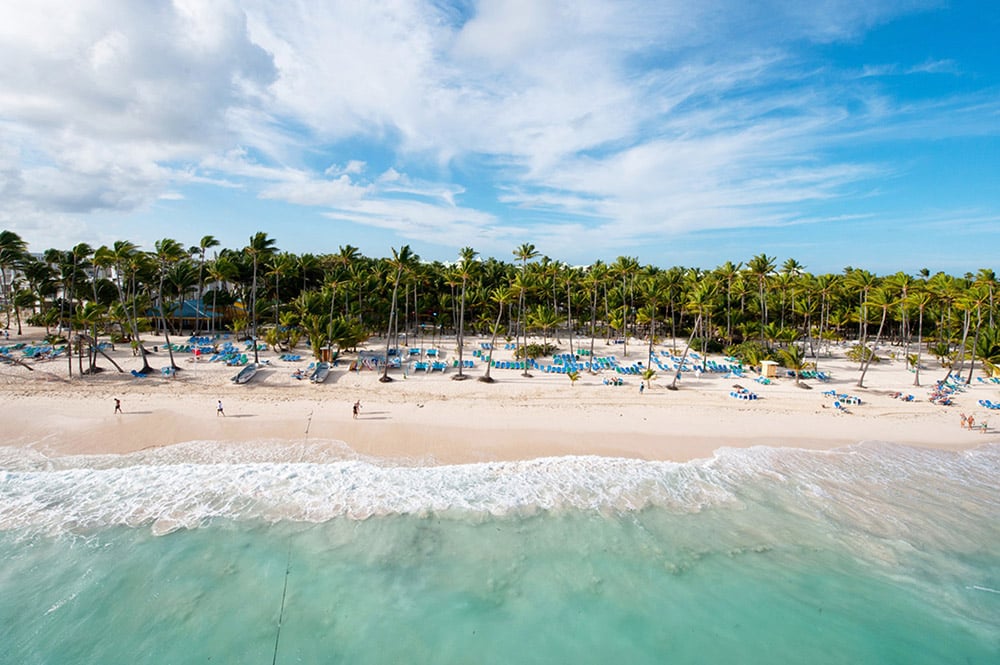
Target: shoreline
<point>431,420</point>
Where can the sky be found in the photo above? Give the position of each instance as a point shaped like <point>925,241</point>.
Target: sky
<point>836,132</point>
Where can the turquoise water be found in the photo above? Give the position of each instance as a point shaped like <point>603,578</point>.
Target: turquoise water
<point>199,553</point>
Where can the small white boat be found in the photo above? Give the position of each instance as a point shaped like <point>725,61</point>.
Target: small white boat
<point>320,373</point>
<point>246,374</point>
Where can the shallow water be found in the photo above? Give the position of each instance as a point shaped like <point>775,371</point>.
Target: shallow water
<point>196,553</point>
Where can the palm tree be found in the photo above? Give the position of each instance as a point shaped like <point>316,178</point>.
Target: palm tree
<point>677,374</point>
<point>465,257</point>
<point>976,297</point>
<point>882,299</point>
<point>649,375</point>
<point>863,282</point>
<point>988,350</point>
<point>501,296</point>
<point>168,253</point>
<point>625,267</point>
<point>90,316</point>
<point>526,252</point>
<point>124,256</point>
<point>78,260</point>
<point>401,261</point>
<point>281,265</point>
<point>760,268</point>
<point>206,243</point>
<point>181,277</point>
<point>12,251</point>
<point>570,279</point>
<point>793,358</point>
<point>921,300</point>
<point>596,274</point>
<point>259,248</point>
<point>729,273</point>
<point>310,270</point>
<point>545,319</point>
<point>791,271</point>
<point>987,279</point>
<point>964,305</point>
<point>221,271</point>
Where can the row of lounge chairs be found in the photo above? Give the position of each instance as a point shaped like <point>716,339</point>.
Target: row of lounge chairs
<point>995,406</point>
<point>511,364</point>
<point>743,393</point>
<point>417,352</point>
<point>433,366</point>
<point>206,339</point>
<point>721,368</point>
<point>41,352</point>
<point>843,397</point>
<point>289,357</point>
<point>203,350</point>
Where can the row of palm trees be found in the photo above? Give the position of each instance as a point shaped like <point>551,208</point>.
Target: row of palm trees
<point>757,309</point>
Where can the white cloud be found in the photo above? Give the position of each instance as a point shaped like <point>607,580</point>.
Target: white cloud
<point>106,95</point>
<point>641,118</point>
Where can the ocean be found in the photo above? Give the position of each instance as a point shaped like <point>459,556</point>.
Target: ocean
<point>264,553</point>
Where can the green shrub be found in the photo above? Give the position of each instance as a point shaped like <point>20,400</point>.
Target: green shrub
<point>535,350</point>
<point>749,352</point>
<point>711,346</point>
<point>862,352</point>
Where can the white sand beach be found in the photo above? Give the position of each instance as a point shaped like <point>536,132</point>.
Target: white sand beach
<point>428,418</point>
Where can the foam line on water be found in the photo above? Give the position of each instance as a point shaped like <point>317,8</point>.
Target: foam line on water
<point>872,490</point>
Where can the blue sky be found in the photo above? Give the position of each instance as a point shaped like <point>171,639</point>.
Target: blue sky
<point>834,132</point>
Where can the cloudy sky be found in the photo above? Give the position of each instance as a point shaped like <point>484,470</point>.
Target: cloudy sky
<point>836,132</point>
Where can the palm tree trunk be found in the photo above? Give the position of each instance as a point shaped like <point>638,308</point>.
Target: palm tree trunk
<point>166,333</point>
<point>486,378</point>
<point>461,334</point>
<point>677,374</point>
<point>975,343</point>
<point>253,312</point>
<point>569,317</point>
<point>385,378</point>
<point>965,338</point>
<point>866,362</point>
<point>920,345</point>
<point>593,329</point>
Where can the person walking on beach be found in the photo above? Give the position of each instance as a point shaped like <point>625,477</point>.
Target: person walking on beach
<point>219,411</point>
<point>642,387</point>
<point>118,405</point>
<point>356,409</point>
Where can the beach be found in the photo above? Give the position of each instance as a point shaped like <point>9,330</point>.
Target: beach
<point>430,418</point>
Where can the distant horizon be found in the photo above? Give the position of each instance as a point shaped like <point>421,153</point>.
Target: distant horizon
<point>833,133</point>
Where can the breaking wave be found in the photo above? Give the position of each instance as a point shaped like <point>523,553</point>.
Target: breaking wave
<point>872,486</point>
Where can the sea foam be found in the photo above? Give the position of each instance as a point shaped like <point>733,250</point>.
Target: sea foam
<point>872,487</point>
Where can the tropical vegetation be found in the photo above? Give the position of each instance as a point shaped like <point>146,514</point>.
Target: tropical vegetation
<point>756,310</point>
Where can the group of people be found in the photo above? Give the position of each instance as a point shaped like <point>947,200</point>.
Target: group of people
<point>969,422</point>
